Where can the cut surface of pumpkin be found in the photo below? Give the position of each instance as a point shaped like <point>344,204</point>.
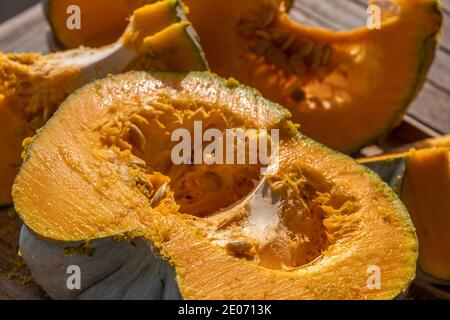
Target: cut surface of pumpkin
<point>102,168</point>
<point>424,186</point>
<point>33,85</point>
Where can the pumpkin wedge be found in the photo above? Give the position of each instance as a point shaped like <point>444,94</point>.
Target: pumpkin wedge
<point>33,85</point>
<point>97,29</point>
<point>346,88</point>
<point>422,179</point>
<point>100,177</point>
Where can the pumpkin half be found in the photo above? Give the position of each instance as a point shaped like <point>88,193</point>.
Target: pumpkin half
<point>346,88</point>
<point>422,179</point>
<point>33,85</point>
<point>99,178</point>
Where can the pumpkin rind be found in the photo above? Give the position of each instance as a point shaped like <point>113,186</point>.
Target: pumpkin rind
<point>363,222</point>
<point>345,88</point>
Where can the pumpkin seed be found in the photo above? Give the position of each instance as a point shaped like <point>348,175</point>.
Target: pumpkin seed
<point>211,181</point>
<point>277,57</point>
<point>239,247</point>
<point>315,58</point>
<point>279,37</point>
<point>305,47</point>
<point>138,137</point>
<point>137,118</point>
<point>159,195</point>
<point>246,29</point>
<point>288,43</point>
<point>298,95</point>
<point>260,46</point>
<point>262,34</point>
<point>297,64</point>
<point>138,162</point>
<point>267,18</point>
<point>326,55</point>
<point>46,113</point>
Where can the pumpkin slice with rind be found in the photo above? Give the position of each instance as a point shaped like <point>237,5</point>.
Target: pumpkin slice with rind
<point>32,85</point>
<point>422,180</point>
<point>98,189</point>
<point>346,88</point>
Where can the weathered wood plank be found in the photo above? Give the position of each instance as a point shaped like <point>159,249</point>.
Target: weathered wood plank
<point>432,106</point>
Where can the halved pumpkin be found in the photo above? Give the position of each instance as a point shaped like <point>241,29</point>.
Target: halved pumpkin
<point>422,179</point>
<point>99,177</point>
<point>346,88</point>
<point>32,85</point>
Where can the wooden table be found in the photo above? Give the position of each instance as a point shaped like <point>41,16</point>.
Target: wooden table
<point>429,115</point>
